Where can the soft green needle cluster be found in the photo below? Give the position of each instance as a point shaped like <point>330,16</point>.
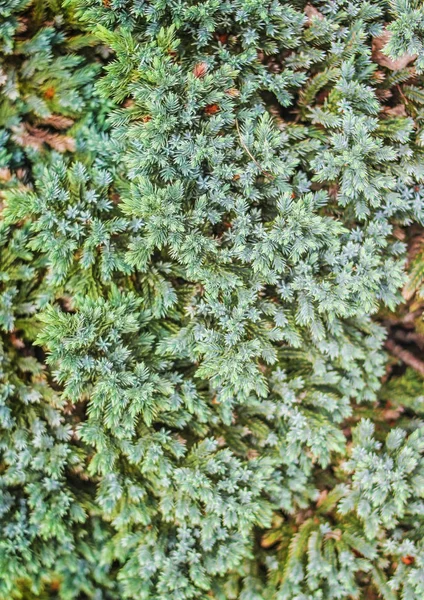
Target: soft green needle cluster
<point>200,219</point>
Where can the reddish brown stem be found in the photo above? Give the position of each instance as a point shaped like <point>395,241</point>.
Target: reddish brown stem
<point>407,357</point>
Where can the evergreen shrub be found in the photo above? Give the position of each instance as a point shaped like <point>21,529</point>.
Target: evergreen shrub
<point>210,214</point>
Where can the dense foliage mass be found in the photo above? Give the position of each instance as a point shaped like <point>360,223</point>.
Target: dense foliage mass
<point>210,212</point>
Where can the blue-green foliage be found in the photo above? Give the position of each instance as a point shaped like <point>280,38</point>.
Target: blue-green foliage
<point>187,294</point>
<point>407,31</point>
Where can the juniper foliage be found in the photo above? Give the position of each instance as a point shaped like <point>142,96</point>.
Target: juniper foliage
<point>191,402</point>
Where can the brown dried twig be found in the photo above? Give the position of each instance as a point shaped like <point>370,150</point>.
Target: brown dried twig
<point>243,143</point>
<point>404,355</point>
